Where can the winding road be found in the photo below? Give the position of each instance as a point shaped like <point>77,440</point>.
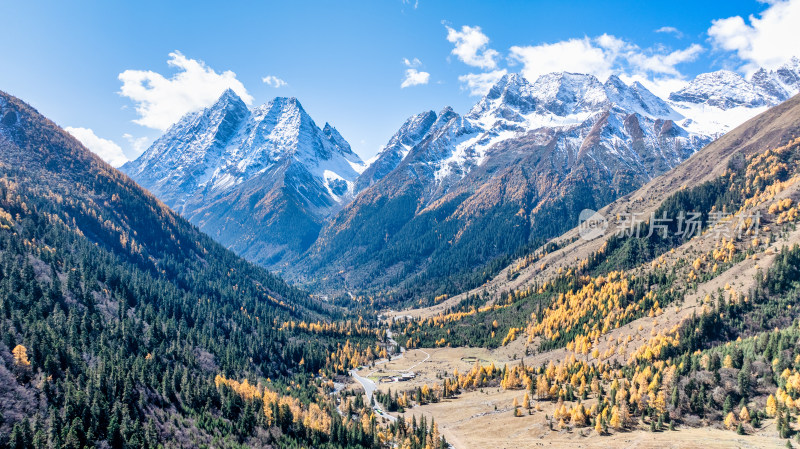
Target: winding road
<point>370,387</point>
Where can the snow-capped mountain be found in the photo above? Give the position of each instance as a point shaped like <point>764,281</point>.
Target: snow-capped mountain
<point>714,103</point>
<point>227,166</point>
<point>576,107</point>
<point>449,192</point>
<point>520,165</point>
<point>707,107</point>
<point>722,89</point>
<point>636,98</point>
<point>409,135</point>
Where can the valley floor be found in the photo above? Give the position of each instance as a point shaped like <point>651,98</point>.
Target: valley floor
<point>480,419</point>
<point>485,419</point>
<point>736,271</point>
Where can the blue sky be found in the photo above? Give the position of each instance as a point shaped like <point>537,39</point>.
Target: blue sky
<point>347,61</point>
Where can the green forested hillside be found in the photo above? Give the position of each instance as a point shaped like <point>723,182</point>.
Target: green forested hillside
<point>124,326</point>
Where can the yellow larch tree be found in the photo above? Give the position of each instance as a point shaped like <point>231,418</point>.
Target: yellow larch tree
<point>744,415</point>
<point>616,421</point>
<point>21,356</point>
<point>772,406</point>
<point>730,421</point>
<point>598,426</point>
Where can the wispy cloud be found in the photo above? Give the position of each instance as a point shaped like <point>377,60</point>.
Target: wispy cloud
<point>479,83</point>
<point>274,81</point>
<point>138,144</point>
<point>414,77</point>
<point>670,30</point>
<point>162,101</point>
<point>471,47</point>
<point>664,63</point>
<point>412,62</point>
<point>106,149</point>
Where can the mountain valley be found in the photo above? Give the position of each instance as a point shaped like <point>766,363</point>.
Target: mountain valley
<point>573,262</point>
<point>450,199</point>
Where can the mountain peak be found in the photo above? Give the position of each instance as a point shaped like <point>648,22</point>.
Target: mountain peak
<point>229,93</point>
<point>412,130</point>
<point>511,82</point>
<point>229,97</point>
<point>636,98</point>
<point>336,139</point>
<point>509,96</point>
<point>446,111</point>
<point>231,170</point>
<point>567,93</point>
<point>411,133</point>
<point>723,89</point>
<point>512,89</point>
<point>614,80</point>
<point>291,102</point>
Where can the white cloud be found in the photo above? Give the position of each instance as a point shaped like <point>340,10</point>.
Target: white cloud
<point>613,45</point>
<point>670,30</point>
<point>766,41</point>
<point>479,83</point>
<point>412,62</point>
<point>471,47</point>
<point>603,56</point>
<point>665,63</point>
<point>106,149</point>
<point>162,101</point>
<point>138,144</point>
<point>408,2</point>
<point>573,55</point>
<point>415,78</point>
<point>274,81</point>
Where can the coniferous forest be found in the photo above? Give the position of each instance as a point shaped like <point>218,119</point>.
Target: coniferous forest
<point>248,281</point>
<point>123,326</point>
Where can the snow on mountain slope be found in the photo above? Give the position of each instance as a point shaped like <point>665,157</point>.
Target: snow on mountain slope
<point>723,89</point>
<point>715,103</point>
<point>707,107</point>
<point>567,103</point>
<point>224,145</point>
<point>176,165</point>
<point>636,98</point>
<point>519,166</point>
<point>409,134</point>
<point>242,163</point>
